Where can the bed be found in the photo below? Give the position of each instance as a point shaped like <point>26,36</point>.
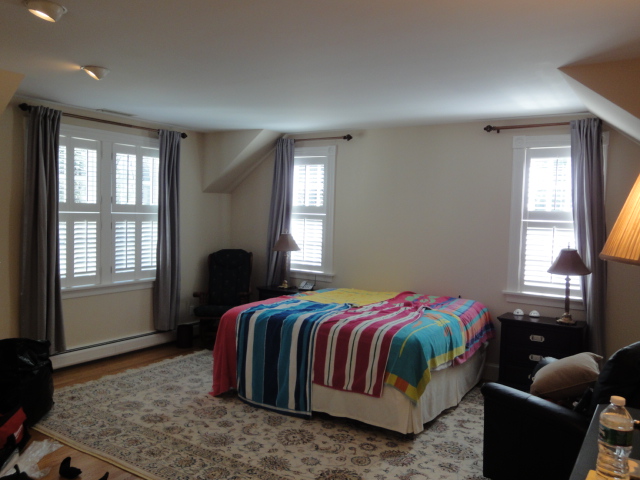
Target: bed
<point>389,359</point>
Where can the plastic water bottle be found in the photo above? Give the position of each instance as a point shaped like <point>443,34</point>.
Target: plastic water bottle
<point>615,439</point>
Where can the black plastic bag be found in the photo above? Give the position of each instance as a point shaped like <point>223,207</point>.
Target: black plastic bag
<point>26,377</point>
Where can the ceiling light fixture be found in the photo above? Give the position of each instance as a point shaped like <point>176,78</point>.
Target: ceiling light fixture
<point>95,72</point>
<point>49,11</point>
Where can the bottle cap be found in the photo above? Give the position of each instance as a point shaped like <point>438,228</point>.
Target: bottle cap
<point>619,401</point>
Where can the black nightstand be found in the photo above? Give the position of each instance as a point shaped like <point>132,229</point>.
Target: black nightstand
<point>524,340</point>
<point>274,291</point>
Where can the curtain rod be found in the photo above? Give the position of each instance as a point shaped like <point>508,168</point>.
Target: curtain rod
<point>490,128</point>
<point>25,107</point>
<point>346,137</point>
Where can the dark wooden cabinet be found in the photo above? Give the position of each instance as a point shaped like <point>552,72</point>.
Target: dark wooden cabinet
<point>524,340</point>
<point>267,292</point>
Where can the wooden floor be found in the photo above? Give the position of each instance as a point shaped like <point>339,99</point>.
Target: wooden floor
<point>93,468</point>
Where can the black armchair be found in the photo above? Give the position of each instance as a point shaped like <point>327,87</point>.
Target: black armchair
<point>529,438</point>
<point>229,286</point>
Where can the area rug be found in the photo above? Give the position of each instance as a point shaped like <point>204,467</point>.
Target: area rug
<point>159,422</point>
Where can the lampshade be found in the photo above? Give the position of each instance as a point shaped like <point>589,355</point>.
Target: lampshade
<point>286,243</point>
<point>49,11</point>
<point>95,72</point>
<point>623,244</point>
<point>569,263</point>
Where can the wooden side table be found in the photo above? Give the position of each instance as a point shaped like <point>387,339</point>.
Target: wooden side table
<point>272,291</point>
<point>524,340</point>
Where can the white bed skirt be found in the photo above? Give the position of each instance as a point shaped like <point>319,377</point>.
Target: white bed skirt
<point>393,410</point>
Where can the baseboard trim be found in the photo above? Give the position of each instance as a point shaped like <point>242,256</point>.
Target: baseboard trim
<point>110,349</point>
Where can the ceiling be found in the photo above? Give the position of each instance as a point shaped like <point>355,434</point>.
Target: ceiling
<point>308,65</point>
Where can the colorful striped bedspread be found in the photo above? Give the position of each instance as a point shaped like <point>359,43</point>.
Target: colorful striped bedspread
<point>284,345</point>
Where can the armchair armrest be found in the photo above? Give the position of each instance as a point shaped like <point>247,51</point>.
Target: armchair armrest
<point>527,437</point>
<point>203,296</point>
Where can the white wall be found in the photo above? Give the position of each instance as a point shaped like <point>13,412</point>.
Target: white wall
<point>427,209</point>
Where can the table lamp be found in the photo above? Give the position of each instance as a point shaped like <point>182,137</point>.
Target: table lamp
<point>286,244</point>
<point>568,263</point>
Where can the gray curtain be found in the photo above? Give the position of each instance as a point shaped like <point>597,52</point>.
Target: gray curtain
<point>40,299</point>
<point>587,164</point>
<point>280,213</point>
<point>166,291</point>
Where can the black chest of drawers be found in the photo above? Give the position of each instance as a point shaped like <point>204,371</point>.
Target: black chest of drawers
<point>525,340</point>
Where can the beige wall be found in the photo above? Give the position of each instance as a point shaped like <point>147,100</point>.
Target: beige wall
<point>427,209</point>
<point>204,225</point>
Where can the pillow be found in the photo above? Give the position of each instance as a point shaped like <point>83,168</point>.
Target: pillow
<point>566,377</point>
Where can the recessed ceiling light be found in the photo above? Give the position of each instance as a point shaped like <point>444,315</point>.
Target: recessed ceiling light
<point>95,72</point>
<point>49,11</point>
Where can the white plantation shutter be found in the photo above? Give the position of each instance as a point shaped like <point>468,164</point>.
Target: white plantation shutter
<point>148,243</point>
<point>547,218</point>
<point>312,209</point>
<point>108,227</point>
<point>125,179</point>
<point>308,233</point>
<point>62,245</point>
<point>125,246</point>
<point>85,248</point>
<point>150,175</point>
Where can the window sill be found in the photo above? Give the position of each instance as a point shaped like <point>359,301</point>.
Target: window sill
<point>315,276</point>
<point>542,300</point>
<point>91,290</point>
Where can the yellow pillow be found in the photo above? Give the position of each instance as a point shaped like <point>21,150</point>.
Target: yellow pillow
<point>566,377</point>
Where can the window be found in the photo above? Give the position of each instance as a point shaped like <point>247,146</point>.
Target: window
<point>541,216</point>
<point>312,211</point>
<point>108,203</point>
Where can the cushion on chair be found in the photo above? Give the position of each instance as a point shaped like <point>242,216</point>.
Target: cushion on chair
<point>567,377</point>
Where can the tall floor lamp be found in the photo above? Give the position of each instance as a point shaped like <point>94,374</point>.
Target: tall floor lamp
<point>568,263</point>
<point>286,244</point>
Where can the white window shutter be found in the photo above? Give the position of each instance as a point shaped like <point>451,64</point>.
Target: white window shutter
<point>85,248</point>
<point>125,179</point>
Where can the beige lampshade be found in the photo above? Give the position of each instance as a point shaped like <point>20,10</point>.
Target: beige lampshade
<point>286,243</point>
<point>569,263</point>
<point>623,244</point>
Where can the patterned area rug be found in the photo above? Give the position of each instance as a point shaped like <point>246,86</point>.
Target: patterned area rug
<point>159,422</point>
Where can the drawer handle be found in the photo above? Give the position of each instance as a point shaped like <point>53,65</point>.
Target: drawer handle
<point>535,358</point>
<point>536,338</point>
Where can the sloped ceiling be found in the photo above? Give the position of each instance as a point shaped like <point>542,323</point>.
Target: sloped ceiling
<point>610,90</point>
<point>9,83</point>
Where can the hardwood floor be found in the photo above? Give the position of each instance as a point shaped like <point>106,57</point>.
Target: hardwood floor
<point>93,468</point>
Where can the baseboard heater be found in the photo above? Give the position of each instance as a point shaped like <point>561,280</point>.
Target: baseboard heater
<point>98,351</point>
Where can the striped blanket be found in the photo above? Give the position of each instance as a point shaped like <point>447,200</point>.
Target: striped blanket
<point>450,330</point>
<point>283,346</point>
<point>274,353</point>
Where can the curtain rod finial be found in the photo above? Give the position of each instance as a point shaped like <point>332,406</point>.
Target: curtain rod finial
<point>347,137</point>
<point>490,129</point>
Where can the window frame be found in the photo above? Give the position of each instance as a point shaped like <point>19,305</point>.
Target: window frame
<point>515,291</point>
<point>328,153</point>
<point>107,211</point>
